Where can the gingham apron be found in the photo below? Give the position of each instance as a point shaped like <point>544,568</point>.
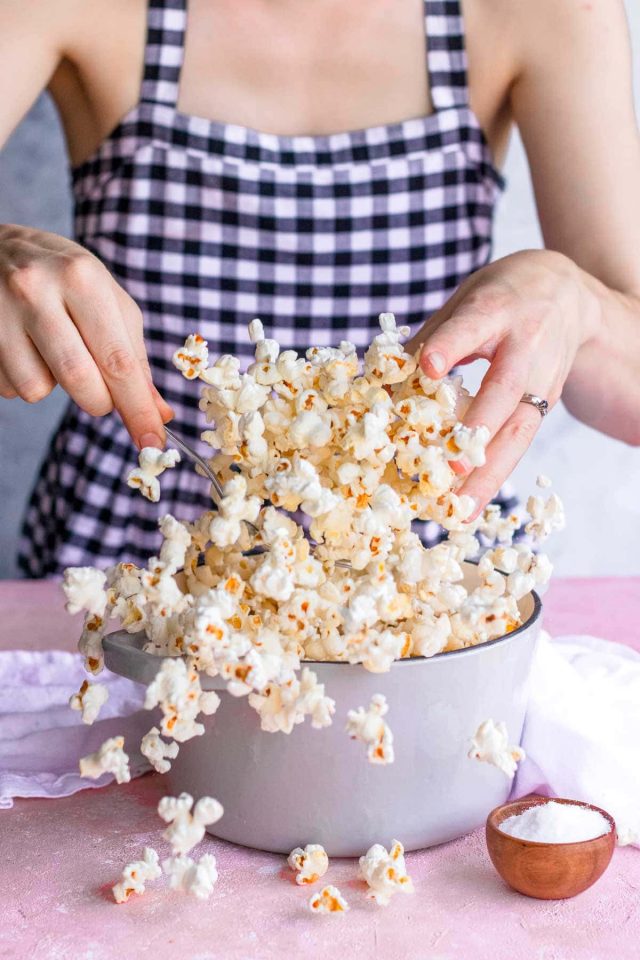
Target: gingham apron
<point>208,225</point>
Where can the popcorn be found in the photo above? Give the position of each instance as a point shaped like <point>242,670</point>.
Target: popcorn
<point>176,690</point>
<point>89,699</point>
<point>135,875</point>
<point>234,508</point>
<point>467,442</point>
<point>370,727</point>
<point>192,358</point>
<point>543,481</point>
<point>328,900</point>
<point>110,758</point>
<point>197,877</point>
<point>157,752</point>
<point>627,835</point>
<point>152,462</point>
<point>309,864</point>
<point>84,589</point>
<point>546,517</point>
<point>359,449</point>
<point>187,828</point>
<point>385,872</point>
<point>490,744</point>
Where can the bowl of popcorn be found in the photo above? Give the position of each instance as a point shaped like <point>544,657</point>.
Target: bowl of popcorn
<point>308,660</point>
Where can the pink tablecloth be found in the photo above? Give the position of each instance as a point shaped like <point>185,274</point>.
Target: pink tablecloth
<point>59,858</point>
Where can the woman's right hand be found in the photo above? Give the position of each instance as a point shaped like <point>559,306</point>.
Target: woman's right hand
<point>64,319</point>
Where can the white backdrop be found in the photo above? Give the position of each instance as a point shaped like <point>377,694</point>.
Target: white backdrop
<point>598,478</point>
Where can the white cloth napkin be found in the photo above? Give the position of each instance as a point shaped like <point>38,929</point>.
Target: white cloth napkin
<point>582,732</point>
<point>581,737</point>
<point>42,739</point>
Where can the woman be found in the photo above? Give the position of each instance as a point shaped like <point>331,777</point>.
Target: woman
<point>310,164</point>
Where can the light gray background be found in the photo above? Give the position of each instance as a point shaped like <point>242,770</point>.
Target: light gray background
<point>598,478</point>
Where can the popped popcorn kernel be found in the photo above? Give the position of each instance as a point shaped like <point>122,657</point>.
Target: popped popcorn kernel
<point>490,744</point>
<point>110,758</point>
<point>196,877</point>
<point>89,699</point>
<point>157,752</point>
<point>152,463</point>
<point>370,727</point>
<point>309,863</point>
<point>136,875</point>
<point>192,358</point>
<point>186,826</point>
<point>328,900</point>
<point>385,872</point>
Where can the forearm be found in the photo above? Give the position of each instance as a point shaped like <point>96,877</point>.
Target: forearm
<point>603,387</point>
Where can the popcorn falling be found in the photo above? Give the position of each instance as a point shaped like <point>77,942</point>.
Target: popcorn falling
<point>197,877</point>
<point>385,872</point>
<point>89,699</point>
<point>309,863</point>
<point>157,752</point>
<point>110,758</point>
<point>491,745</point>
<point>329,900</point>
<point>370,727</point>
<point>152,462</point>
<point>187,828</point>
<point>135,875</point>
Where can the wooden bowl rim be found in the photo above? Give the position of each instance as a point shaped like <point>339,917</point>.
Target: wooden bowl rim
<point>493,825</point>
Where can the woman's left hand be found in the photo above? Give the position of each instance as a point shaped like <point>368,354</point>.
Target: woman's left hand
<point>528,314</point>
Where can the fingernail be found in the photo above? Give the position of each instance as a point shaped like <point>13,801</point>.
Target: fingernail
<point>150,440</point>
<point>436,361</point>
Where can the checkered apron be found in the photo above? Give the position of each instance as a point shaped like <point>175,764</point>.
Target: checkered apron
<point>208,225</point>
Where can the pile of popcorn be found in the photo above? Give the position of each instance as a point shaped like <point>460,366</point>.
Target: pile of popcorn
<point>324,462</point>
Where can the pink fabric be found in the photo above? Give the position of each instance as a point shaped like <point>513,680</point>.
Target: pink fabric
<point>59,858</point>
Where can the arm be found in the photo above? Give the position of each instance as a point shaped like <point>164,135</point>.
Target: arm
<point>63,319</point>
<point>563,322</point>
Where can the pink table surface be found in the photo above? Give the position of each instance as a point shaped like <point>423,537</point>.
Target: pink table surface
<point>60,857</point>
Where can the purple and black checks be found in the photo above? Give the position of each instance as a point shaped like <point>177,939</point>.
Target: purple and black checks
<point>208,225</point>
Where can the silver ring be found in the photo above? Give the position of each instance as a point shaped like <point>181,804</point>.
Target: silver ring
<point>541,405</point>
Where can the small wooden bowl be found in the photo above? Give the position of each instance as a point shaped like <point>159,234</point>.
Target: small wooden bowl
<point>547,871</point>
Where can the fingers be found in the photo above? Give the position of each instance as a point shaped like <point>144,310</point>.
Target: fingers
<point>134,323</point>
<point>24,371</point>
<point>96,312</point>
<point>58,340</point>
<point>500,392</point>
<point>503,453</point>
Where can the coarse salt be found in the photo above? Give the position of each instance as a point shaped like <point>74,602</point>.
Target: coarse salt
<point>555,822</point>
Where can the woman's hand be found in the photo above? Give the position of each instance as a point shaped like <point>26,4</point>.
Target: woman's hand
<point>528,314</point>
<point>64,319</point>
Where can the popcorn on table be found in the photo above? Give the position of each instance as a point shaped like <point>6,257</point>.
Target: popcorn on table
<point>309,863</point>
<point>491,744</point>
<point>110,758</point>
<point>370,727</point>
<point>186,826</point>
<point>135,875</point>
<point>328,900</point>
<point>89,699</point>
<point>197,877</point>
<point>152,463</point>
<point>385,872</point>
